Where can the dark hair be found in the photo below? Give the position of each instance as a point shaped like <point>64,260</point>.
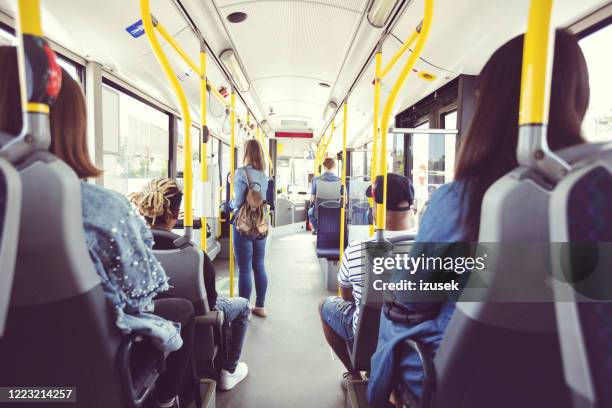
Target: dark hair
<point>329,163</point>
<point>488,151</point>
<point>67,117</point>
<point>253,154</point>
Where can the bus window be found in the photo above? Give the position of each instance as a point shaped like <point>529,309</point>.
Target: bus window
<point>195,146</point>
<point>449,121</point>
<point>358,166</point>
<point>135,141</point>
<point>301,169</point>
<point>6,37</point>
<point>597,125</point>
<point>70,67</point>
<point>225,160</point>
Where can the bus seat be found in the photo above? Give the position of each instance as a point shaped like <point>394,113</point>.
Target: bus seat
<point>10,211</point>
<point>184,265</point>
<point>581,216</point>
<point>60,329</point>
<point>366,334</point>
<point>328,230</point>
<point>469,366</point>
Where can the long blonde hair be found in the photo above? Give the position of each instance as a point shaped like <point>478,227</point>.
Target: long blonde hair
<point>159,200</point>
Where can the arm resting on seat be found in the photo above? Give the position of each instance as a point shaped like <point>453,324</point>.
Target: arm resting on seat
<point>429,375</point>
<point>213,319</point>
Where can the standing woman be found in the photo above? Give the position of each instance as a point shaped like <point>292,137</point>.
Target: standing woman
<point>250,250</point>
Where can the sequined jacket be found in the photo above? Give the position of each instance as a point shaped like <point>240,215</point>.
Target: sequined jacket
<point>120,245</point>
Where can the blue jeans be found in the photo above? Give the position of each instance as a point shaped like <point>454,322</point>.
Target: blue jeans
<point>235,314</point>
<point>312,218</point>
<point>338,313</point>
<point>250,253</point>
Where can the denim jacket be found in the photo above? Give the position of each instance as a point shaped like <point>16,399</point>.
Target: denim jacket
<point>441,223</point>
<point>259,182</point>
<point>120,245</point>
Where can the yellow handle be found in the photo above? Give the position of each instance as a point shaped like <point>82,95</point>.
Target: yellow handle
<point>422,38</point>
<point>537,64</point>
<point>145,12</point>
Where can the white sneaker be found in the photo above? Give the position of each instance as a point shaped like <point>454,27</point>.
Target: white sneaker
<point>229,380</point>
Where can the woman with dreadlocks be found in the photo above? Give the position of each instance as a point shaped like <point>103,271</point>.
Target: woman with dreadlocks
<point>159,202</point>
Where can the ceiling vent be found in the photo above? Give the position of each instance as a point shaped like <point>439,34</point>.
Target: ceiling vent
<point>294,123</point>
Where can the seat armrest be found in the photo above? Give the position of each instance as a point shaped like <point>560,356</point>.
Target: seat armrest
<point>137,394</point>
<point>429,376</point>
<point>213,319</point>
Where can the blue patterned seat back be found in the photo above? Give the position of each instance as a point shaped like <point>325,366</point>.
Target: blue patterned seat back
<point>590,220</point>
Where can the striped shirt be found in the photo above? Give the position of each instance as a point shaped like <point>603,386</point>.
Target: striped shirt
<point>351,273</point>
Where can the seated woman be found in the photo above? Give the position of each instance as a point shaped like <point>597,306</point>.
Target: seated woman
<point>488,152</point>
<point>119,241</point>
<point>159,202</point>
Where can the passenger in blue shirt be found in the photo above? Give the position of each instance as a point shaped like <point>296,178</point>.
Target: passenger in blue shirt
<point>118,240</point>
<point>329,165</point>
<point>487,153</point>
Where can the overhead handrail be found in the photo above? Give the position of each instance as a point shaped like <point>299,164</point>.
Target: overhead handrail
<point>532,146</point>
<point>405,46</point>
<point>386,115</point>
<point>149,27</point>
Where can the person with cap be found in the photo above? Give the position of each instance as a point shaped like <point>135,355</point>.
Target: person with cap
<point>340,314</point>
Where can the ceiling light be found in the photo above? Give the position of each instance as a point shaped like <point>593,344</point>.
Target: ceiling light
<point>230,61</point>
<point>236,17</point>
<point>380,11</point>
<point>329,110</point>
<point>324,84</point>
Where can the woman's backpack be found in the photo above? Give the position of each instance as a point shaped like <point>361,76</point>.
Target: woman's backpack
<point>251,218</point>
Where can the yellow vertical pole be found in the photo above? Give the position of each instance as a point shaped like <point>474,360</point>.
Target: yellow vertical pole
<point>343,198</point>
<point>149,29</point>
<point>386,115</point>
<point>374,164</point>
<point>203,161</point>
<point>232,161</point>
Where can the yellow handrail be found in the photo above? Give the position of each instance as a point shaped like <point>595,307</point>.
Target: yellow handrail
<point>386,115</point>
<point>399,53</point>
<point>203,153</point>
<point>537,65</point>
<point>231,186</point>
<point>145,12</point>
<point>343,201</point>
<point>168,37</point>
<point>374,164</point>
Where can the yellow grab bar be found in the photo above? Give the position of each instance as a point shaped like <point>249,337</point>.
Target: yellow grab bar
<point>147,21</point>
<point>386,115</point>
<point>343,201</point>
<point>168,37</point>
<point>29,18</point>
<point>203,152</point>
<point>374,164</point>
<point>537,64</point>
<point>399,53</point>
<point>231,186</point>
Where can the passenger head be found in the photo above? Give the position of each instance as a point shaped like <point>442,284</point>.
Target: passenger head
<point>159,202</point>
<point>488,151</point>
<point>253,154</point>
<point>67,117</point>
<point>329,164</point>
<point>400,200</point>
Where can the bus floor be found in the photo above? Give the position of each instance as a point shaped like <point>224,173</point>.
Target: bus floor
<point>290,363</point>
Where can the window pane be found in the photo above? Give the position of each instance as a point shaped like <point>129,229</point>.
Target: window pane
<point>7,38</point>
<point>597,124</point>
<point>195,146</point>
<point>135,141</point>
<point>70,67</point>
<point>358,163</point>
<point>369,158</point>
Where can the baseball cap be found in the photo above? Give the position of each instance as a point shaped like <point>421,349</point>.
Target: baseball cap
<point>399,189</point>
